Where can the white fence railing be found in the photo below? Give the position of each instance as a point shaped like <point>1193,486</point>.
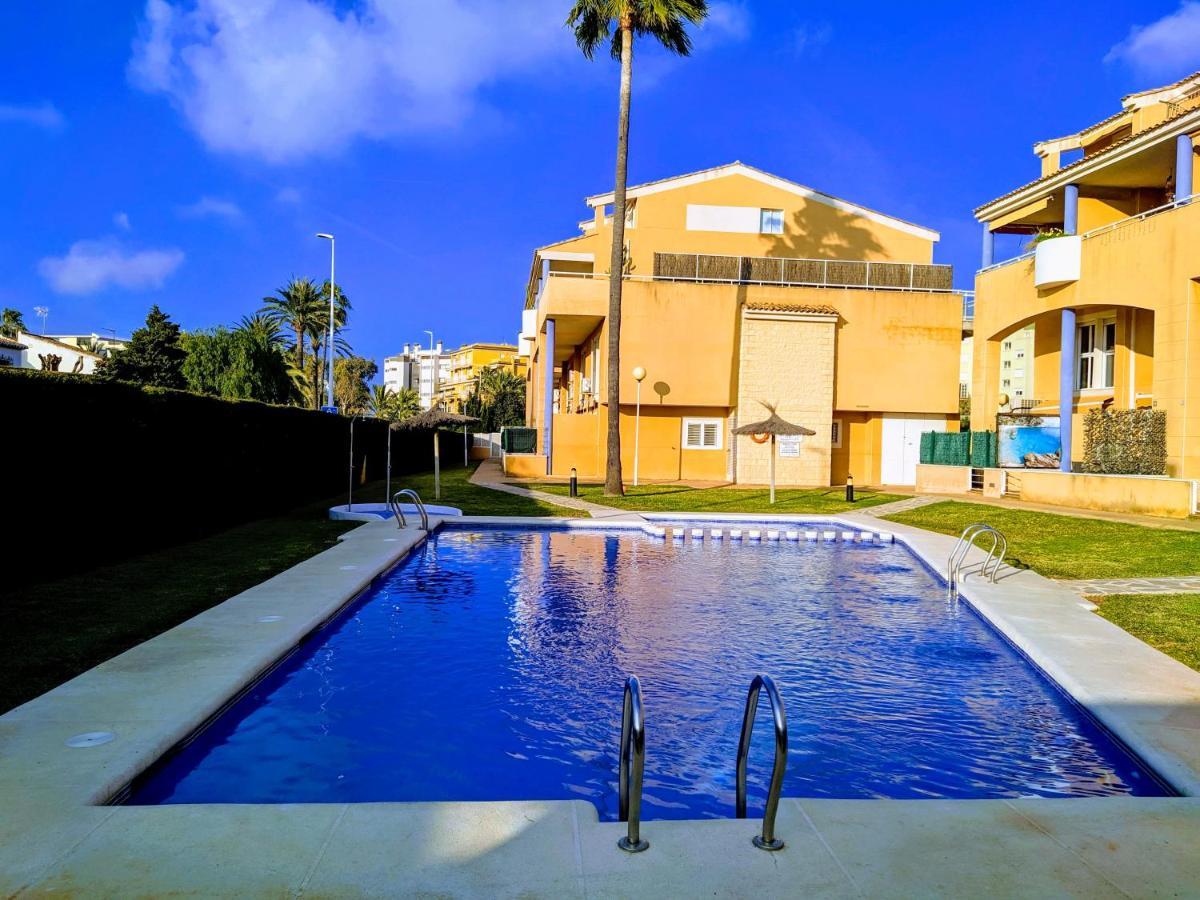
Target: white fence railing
<point>489,441</point>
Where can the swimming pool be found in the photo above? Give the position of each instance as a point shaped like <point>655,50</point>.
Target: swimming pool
<point>489,666</point>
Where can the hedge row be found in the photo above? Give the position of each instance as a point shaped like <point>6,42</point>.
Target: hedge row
<point>1125,442</point>
<point>98,470</point>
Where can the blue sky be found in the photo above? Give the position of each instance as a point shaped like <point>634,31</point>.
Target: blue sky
<point>184,152</point>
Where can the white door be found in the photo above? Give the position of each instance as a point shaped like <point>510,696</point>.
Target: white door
<point>902,445</point>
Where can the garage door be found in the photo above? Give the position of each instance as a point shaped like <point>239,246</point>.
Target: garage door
<point>902,445</point>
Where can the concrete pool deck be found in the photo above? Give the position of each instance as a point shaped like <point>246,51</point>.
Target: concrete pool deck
<point>56,838</point>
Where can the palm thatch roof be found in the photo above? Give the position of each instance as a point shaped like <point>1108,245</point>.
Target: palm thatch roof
<point>772,425</point>
<point>434,418</point>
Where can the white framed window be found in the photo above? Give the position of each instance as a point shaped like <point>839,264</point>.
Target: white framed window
<point>770,221</point>
<point>1095,346</point>
<point>835,437</point>
<point>702,434</point>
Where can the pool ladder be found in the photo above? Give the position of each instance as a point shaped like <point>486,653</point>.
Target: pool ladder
<point>398,512</point>
<point>955,567</point>
<point>633,763</point>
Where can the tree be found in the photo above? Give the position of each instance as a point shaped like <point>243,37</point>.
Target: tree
<point>11,322</point>
<point>498,400</point>
<point>394,406</point>
<point>350,377</point>
<point>238,364</point>
<point>154,356</point>
<point>593,22</point>
<point>296,306</point>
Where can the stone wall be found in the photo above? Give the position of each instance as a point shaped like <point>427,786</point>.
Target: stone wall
<point>786,358</point>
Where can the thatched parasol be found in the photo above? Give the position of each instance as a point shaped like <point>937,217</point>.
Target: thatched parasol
<point>774,426</point>
<point>432,420</point>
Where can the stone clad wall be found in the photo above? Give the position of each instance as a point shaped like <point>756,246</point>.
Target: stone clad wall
<point>786,358</point>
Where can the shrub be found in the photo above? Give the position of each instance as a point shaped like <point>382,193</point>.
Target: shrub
<point>1125,442</point>
<point>98,470</point>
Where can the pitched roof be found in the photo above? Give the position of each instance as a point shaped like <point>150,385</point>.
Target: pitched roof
<point>49,340</point>
<point>10,344</point>
<point>1090,160</point>
<point>741,168</point>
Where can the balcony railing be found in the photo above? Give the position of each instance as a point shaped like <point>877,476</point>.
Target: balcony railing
<point>843,273</point>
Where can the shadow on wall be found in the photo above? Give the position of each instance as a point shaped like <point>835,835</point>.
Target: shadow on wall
<point>822,232</point>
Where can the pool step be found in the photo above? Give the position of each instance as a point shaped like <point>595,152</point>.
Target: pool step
<point>742,536</point>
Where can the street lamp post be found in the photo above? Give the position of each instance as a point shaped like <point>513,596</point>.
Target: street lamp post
<point>329,338</point>
<point>638,375</point>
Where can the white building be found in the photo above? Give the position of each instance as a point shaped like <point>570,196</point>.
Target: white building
<point>95,342</point>
<point>12,353</point>
<point>40,351</point>
<point>423,369</point>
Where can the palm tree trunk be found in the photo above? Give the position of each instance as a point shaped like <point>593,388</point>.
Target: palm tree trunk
<point>616,270</point>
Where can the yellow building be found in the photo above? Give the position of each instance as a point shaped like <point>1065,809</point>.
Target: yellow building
<point>466,364</point>
<point>742,287</point>
<point>1113,302</point>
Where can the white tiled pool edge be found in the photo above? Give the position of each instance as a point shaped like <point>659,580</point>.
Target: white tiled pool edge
<point>53,839</point>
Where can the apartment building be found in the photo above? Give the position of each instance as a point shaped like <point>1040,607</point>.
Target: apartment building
<point>740,288</point>
<point>468,362</point>
<point>1102,304</point>
<point>422,369</point>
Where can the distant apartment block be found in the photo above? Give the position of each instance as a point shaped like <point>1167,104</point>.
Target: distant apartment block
<point>467,364</point>
<point>422,369</point>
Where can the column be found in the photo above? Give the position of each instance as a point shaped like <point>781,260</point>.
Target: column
<point>1071,209</point>
<point>1183,167</point>
<point>989,246</point>
<point>549,370</point>
<point>1066,385</point>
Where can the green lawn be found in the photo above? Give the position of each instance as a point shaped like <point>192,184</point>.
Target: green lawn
<point>1067,546</point>
<point>680,498</point>
<point>56,628</point>
<point>1170,622</point>
<point>458,491</point>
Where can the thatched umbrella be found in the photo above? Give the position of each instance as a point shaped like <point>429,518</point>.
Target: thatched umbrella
<point>433,419</point>
<point>774,426</point>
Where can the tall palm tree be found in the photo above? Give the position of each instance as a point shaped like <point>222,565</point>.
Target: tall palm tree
<point>296,306</point>
<point>593,22</point>
<point>263,327</point>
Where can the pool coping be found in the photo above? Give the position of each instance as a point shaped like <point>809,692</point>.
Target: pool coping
<point>1150,702</point>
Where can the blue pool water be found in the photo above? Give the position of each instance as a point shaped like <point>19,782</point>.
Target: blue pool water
<point>490,665</point>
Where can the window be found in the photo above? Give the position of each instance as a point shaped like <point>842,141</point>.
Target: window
<point>770,221</point>
<point>1095,343</point>
<point>835,437</point>
<point>702,434</point>
<point>1008,364</point>
<point>1008,345</point>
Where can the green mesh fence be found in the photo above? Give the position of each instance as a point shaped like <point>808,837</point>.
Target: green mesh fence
<point>518,440</point>
<point>945,448</point>
<point>983,449</point>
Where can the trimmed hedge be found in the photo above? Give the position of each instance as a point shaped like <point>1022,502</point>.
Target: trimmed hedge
<point>101,470</point>
<point>947,448</point>
<point>1125,442</point>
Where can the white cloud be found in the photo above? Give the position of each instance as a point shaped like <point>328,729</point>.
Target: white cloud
<point>288,196</point>
<point>1168,47</point>
<point>212,207</point>
<point>809,39</point>
<point>92,265</point>
<point>42,115</point>
<point>121,220</point>
<point>727,21</point>
<point>285,80</point>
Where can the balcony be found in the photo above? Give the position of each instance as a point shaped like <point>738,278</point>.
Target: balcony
<point>839,273</point>
<point>1056,261</point>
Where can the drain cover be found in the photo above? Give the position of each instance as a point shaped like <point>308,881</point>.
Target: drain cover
<point>90,739</point>
<point>348,568</point>
<point>269,618</point>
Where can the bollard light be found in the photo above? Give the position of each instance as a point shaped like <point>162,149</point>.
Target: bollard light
<point>849,488</point>
<point>574,482</point>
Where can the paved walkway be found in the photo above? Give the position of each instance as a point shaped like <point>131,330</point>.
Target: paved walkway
<point>899,506</point>
<point>1098,587</point>
<point>490,475</point>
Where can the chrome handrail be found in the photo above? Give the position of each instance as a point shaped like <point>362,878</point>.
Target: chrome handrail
<point>632,756</point>
<point>958,556</point>
<point>416,498</point>
<point>397,512</point>
<point>766,840</point>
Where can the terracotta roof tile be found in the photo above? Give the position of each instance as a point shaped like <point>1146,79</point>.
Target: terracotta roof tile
<point>816,309</point>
